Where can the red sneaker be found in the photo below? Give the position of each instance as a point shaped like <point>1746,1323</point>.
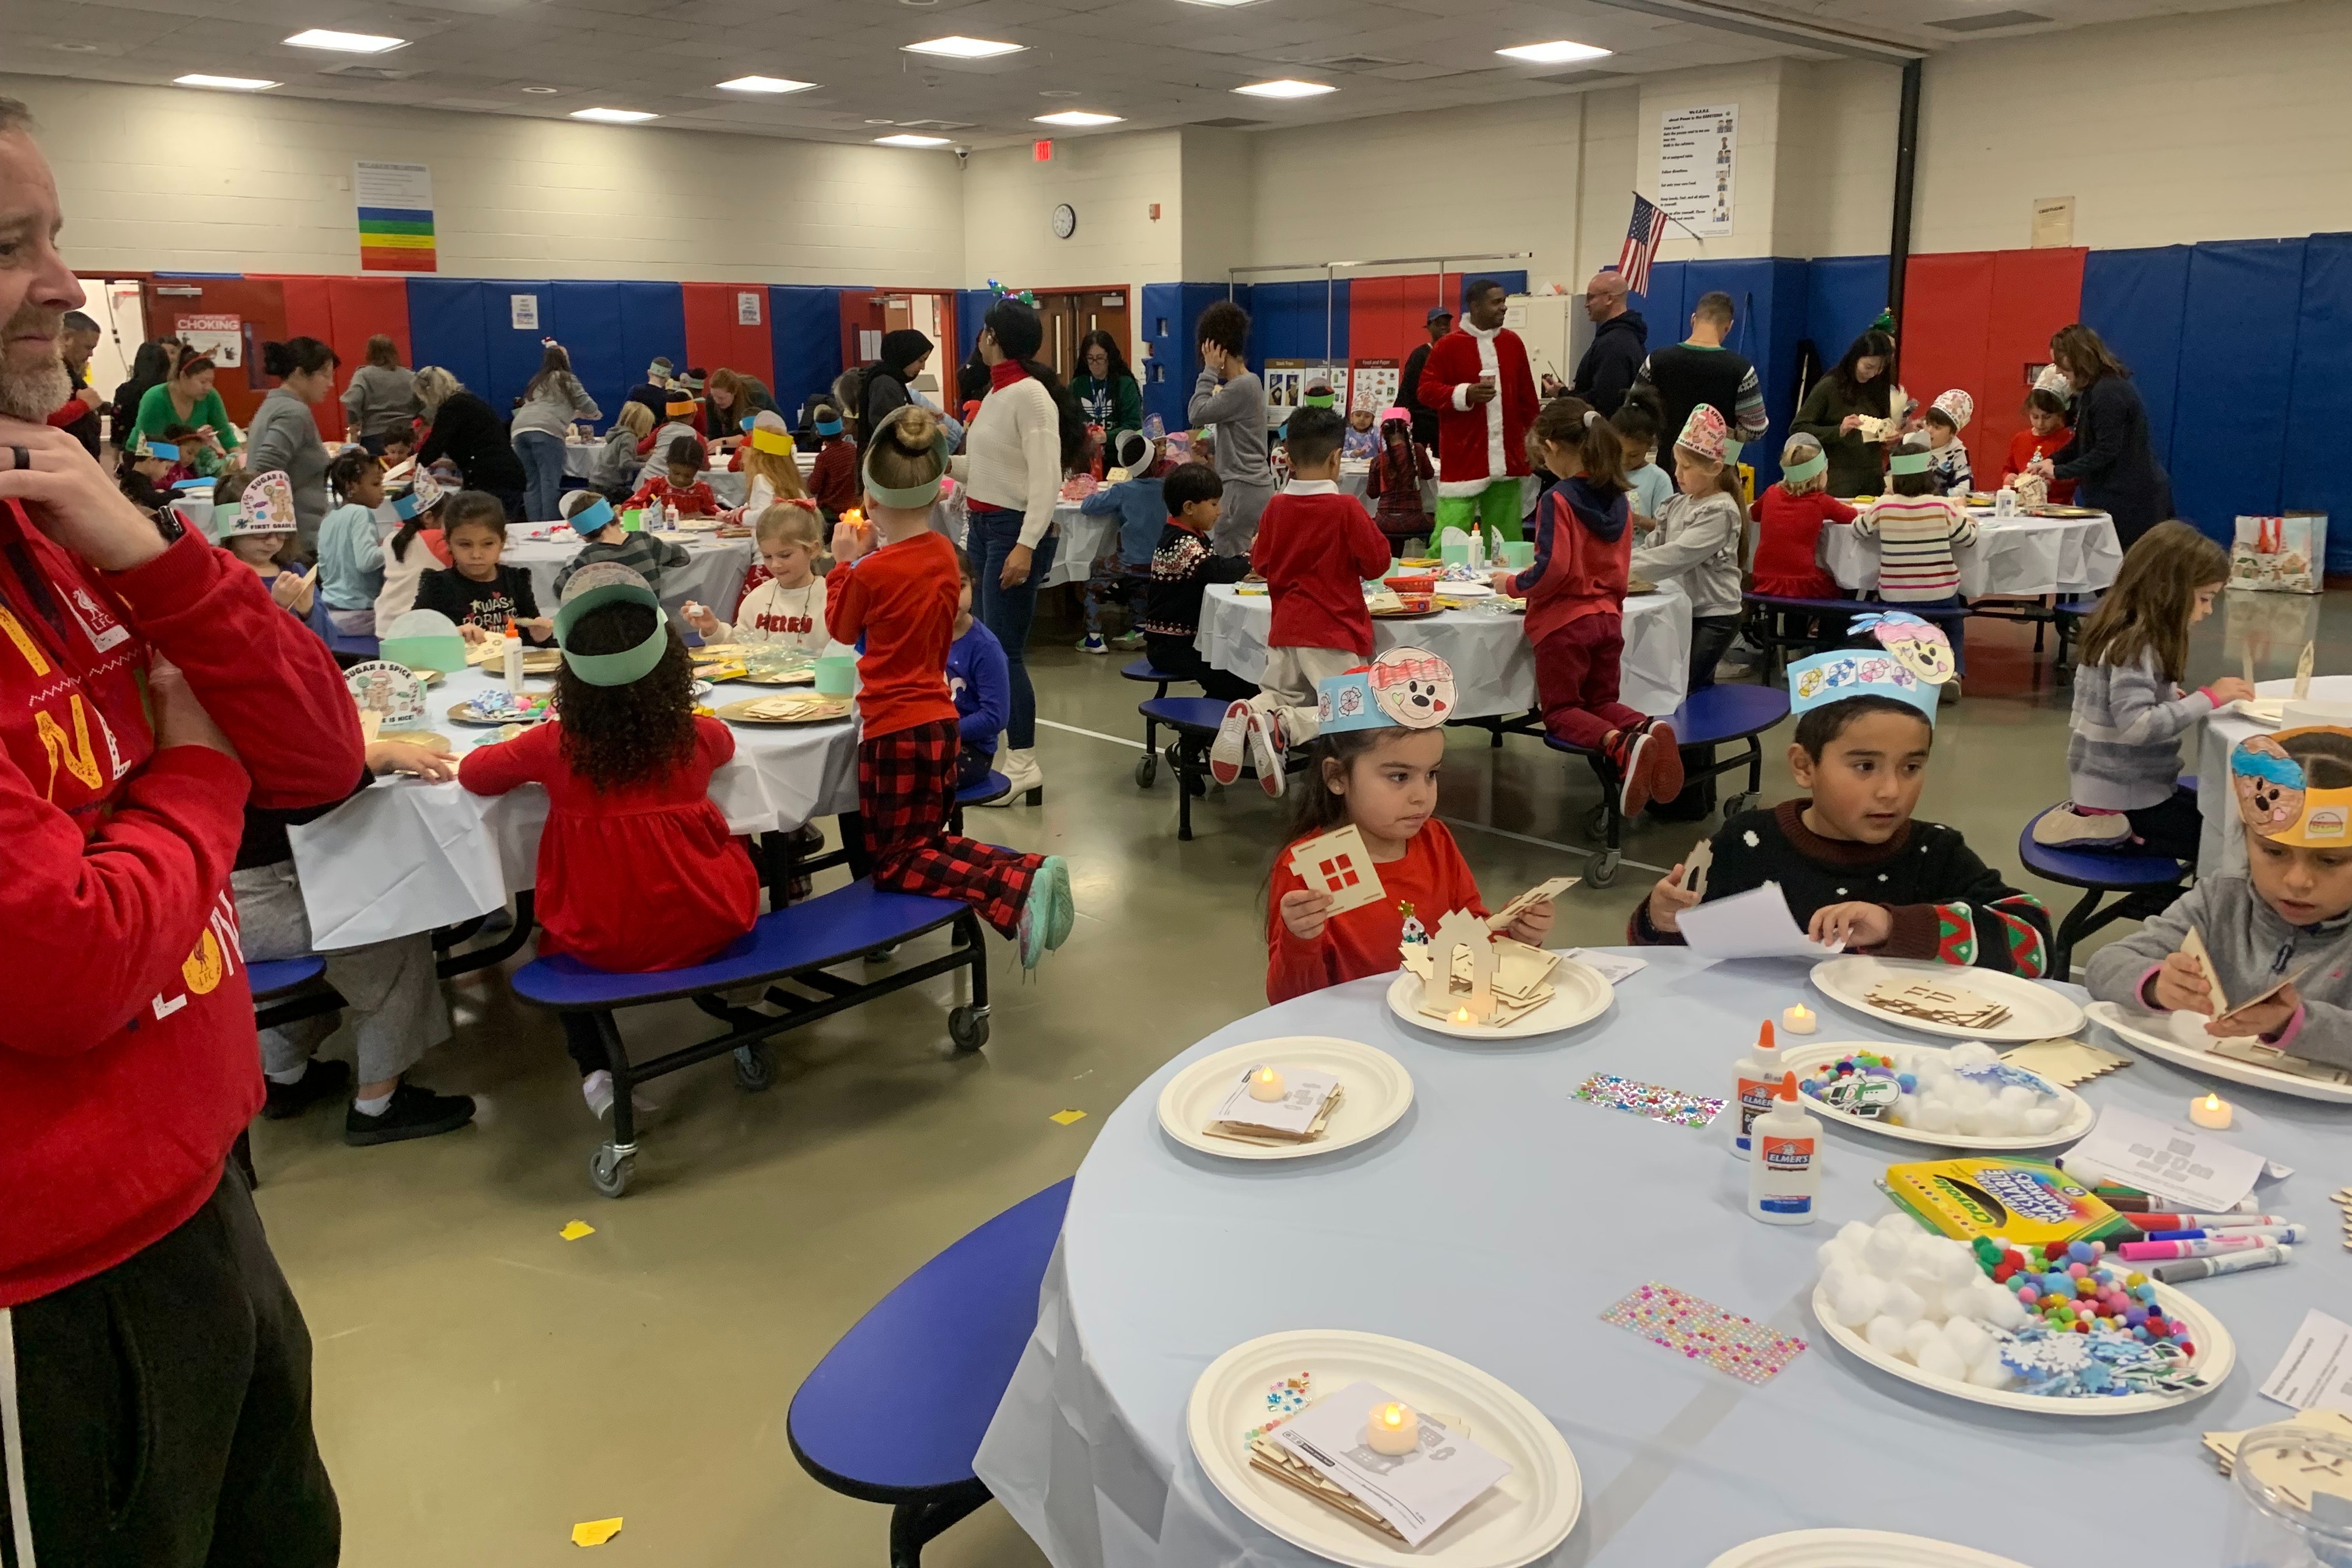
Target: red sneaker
<point>1232,735</point>
<point>1663,759</point>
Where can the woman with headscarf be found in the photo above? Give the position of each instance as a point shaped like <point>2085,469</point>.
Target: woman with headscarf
<point>2110,459</point>
<point>887,380</point>
<point>1857,388</point>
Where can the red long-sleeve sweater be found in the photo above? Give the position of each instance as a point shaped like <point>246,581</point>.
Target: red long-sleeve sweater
<point>1431,880</point>
<point>1584,552</point>
<point>899,604</point>
<point>127,1058</point>
<point>697,500</point>
<point>2025,446</point>
<point>833,479</point>
<point>1315,547</point>
<point>1788,542</point>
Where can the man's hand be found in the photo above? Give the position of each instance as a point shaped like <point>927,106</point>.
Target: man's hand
<point>1479,391</point>
<point>1856,924</point>
<point>2179,985</point>
<point>2266,1017</point>
<point>408,757</point>
<point>1305,913</point>
<point>70,498</point>
<point>180,718</point>
<point>1668,900</point>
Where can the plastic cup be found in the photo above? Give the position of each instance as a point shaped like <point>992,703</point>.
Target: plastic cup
<point>1518,555</point>
<point>836,675</point>
<point>2280,1520</point>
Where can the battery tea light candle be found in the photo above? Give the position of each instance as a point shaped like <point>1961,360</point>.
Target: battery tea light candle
<point>1392,1429</point>
<point>1797,1020</point>
<point>2211,1113</point>
<point>1266,1084</point>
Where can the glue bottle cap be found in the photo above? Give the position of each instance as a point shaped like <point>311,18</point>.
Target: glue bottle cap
<point>1788,1089</point>
<point>1764,1038</point>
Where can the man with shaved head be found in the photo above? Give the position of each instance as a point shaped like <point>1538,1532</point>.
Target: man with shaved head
<point>1620,341</point>
<point>155,1369</point>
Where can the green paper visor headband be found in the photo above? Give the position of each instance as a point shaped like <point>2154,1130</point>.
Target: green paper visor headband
<point>630,665</point>
<point>1909,462</point>
<point>1807,470</point>
<point>912,496</point>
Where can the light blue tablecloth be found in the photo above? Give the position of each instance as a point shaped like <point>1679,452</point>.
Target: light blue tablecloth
<point>1496,1222</point>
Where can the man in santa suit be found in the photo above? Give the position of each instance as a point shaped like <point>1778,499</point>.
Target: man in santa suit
<point>1477,380</point>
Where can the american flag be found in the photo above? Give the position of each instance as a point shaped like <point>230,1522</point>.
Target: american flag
<point>1642,237</point>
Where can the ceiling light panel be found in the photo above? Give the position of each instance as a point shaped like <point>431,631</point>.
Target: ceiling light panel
<point>231,83</point>
<point>1558,51</point>
<point>615,116</point>
<point>1079,117</point>
<point>904,141</point>
<point>956,46</point>
<point>346,43</point>
<point>1286,88</point>
<point>765,84</point>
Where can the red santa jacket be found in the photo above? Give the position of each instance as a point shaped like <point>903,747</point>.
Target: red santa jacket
<point>127,1058</point>
<point>1477,444</point>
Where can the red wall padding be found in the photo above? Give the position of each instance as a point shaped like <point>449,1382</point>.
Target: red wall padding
<point>1974,319</point>
<point>310,313</point>
<point>344,312</point>
<point>1946,300</point>
<point>1387,316</point>
<point>714,338</point>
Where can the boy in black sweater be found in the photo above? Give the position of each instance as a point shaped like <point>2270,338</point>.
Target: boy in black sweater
<point>1182,567</point>
<point>1854,864</point>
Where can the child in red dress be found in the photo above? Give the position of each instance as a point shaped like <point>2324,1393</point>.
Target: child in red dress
<point>1380,738</point>
<point>682,486</point>
<point>898,601</point>
<point>636,870</point>
<point>1790,516</point>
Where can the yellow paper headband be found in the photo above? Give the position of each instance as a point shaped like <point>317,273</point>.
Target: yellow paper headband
<point>774,441</point>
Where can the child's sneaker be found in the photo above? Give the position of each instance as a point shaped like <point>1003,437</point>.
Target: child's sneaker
<point>1267,747</point>
<point>1664,758</point>
<point>1225,753</point>
<point>1127,641</point>
<point>2065,824</point>
<point>1093,643</point>
<point>596,1089</point>
<point>1624,751</point>
<point>1047,914</point>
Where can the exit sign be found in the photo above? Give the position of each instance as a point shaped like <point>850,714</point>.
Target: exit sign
<point>1043,151</point>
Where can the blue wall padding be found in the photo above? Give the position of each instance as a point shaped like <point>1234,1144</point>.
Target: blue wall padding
<point>1661,303</point>
<point>2133,300</point>
<point>586,317</point>
<point>1289,320</point>
<point>446,327</point>
<point>1843,294</point>
<point>653,326</point>
<point>972,311</point>
<point>2237,338</point>
<point>805,324</point>
<point>514,354</point>
<point>2314,475</point>
<point>1171,312</point>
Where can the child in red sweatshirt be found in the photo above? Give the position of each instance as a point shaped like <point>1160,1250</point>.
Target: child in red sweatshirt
<point>898,603</point>
<point>1576,604</point>
<point>832,481</point>
<point>682,486</point>
<point>1315,547</point>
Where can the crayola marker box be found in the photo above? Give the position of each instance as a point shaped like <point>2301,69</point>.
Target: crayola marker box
<point>2031,1202</point>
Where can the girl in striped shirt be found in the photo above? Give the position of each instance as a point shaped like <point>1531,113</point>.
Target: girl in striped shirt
<point>1917,530</point>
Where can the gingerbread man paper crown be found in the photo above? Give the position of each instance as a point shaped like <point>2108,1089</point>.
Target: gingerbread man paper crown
<point>2295,788</point>
<point>267,506</point>
<point>1956,406</point>
<point>1407,688</point>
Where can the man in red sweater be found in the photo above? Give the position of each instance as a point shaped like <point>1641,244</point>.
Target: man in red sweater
<point>1315,546</point>
<point>1478,381</point>
<point>162,1371</point>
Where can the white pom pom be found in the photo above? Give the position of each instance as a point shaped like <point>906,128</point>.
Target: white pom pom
<point>1935,1305</point>
<point>2009,1313</point>
<point>1968,1340</point>
<point>1902,1304</point>
<point>1956,1265</point>
<point>1972,1053</point>
<point>1884,1334</point>
<point>2044,1119</point>
<point>1990,1374</point>
<point>1854,1234</point>
<point>1939,1359</point>
<point>1934,1116</point>
<point>2016,1095</point>
<point>1857,1300</point>
<point>1918,1336</point>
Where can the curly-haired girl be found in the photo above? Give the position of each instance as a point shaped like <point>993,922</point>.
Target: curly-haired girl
<point>636,868</point>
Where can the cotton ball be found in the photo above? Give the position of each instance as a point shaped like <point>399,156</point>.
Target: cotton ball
<point>1902,1304</point>
<point>1900,1226</point>
<point>1884,1334</point>
<point>2016,1095</point>
<point>1838,1252</point>
<point>1955,1264</point>
<point>2003,1311</point>
<point>1935,1303</point>
<point>1967,1338</point>
<point>1939,1360</point>
<point>1933,1116</point>
<point>1918,1336</point>
<point>1972,1053</point>
<point>1887,1248</point>
<point>1990,1374</point>
<point>1855,1298</point>
<point>2044,1119</point>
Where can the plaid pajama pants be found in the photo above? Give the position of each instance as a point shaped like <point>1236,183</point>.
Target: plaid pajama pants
<point>906,787</point>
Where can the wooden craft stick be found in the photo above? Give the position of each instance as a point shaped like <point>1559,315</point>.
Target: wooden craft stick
<point>1541,893</point>
<point>2193,944</point>
<point>2246,657</point>
<point>2302,675</point>
<point>1695,867</point>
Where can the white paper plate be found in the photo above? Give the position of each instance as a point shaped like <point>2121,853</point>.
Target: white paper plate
<point>1856,1548</point>
<point>1579,994</point>
<point>2035,1012</point>
<point>2127,1028</point>
<point>1520,1519</point>
<point>1378,1090</point>
<point>2263,710</point>
<point>1802,1059</point>
<point>1446,589</point>
<point>2216,1354</point>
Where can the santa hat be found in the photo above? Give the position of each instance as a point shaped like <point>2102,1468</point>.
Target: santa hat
<point>1956,406</point>
<point>267,507</point>
<point>1705,434</point>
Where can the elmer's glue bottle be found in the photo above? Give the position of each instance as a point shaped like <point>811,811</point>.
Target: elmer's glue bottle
<point>1785,1176</point>
<point>1757,1077</point>
<point>512,649</point>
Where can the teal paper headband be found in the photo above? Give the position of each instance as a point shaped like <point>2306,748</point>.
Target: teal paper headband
<point>596,516</point>
<point>828,426</point>
<point>912,496</point>
<point>630,665</point>
<point>1909,463</point>
<point>406,510</point>
<point>1806,470</point>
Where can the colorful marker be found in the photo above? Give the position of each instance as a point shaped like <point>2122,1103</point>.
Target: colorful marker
<point>2281,1231</point>
<point>2154,1221</point>
<point>2206,1268</point>
<point>2142,1251</point>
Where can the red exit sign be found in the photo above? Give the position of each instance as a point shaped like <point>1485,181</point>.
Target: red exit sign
<point>1043,151</point>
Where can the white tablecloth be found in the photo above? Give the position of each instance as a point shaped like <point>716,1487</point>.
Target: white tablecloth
<point>713,573</point>
<point>2221,848</point>
<point>406,856</point>
<point>580,463</point>
<point>1494,663</point>
<point>1499,1218</point>
<point>2018,555</point>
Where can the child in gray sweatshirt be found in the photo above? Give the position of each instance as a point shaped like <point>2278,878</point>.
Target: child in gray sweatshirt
<point>2123,760</point>
<point>2289,918</point>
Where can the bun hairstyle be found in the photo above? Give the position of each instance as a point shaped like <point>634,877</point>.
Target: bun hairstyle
<point>1640,416</point>
<point>346,469</point>
<point>904,452</point>
<point>307,356</point>
<point>1020,334</point>
<point>1573,422</point>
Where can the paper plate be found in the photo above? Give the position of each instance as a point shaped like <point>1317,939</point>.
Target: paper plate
<point>1448,590</point>
<point>2216,1354</point>
<point>2263,710</point>
<point>1406,615</point>
<point>1798,1059</point>
<point>467,713</point>
<point>1521,1517</point>
<point>1579,994</point>
<point>2124,1027</point>
<point>804,676</point>
<point>1856,1548</point>
<point>2035,1012</point>
<point>832,710</point>
<point>1378,1090</point>
<point>715,653</point>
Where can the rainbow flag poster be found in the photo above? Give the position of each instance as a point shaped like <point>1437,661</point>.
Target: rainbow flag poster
<point>396,214</point>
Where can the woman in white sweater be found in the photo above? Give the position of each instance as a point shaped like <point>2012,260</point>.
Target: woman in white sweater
<point>1025,436</point>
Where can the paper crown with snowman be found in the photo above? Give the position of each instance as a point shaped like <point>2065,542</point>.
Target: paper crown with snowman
<point>2294,787</point>
<point>1405,687</point>
<point>1913,659</point>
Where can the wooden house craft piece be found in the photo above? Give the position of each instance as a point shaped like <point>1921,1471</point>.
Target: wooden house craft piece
<point>1462,929</point>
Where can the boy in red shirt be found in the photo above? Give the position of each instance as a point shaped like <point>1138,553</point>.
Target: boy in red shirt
<point>1315,547</point>
<point>832,481</point>
<point>898,601</point>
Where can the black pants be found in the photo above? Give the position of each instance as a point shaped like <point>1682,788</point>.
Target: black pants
<point>1181,661</point>
<point>586,1046</point>
<point>1710,636</point>
<point>166,1409</point>
<point>2171,827</point>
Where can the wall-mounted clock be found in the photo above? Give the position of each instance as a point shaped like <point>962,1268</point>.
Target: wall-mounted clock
<point>1066,221</point>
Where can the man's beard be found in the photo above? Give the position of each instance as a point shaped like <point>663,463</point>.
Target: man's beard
<point>33,393</point>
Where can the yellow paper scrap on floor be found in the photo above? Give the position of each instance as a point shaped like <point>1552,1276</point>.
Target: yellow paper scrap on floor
<point>1067,1116</point>
<point>595,1532</point>
<point>576,1229</point>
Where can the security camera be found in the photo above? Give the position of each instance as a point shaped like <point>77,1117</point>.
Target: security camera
<point>964,156</point>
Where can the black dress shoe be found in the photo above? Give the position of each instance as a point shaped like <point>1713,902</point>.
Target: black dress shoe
<point>413,1113</point>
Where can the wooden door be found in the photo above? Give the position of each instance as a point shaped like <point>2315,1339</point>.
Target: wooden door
<point>230,318</point>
